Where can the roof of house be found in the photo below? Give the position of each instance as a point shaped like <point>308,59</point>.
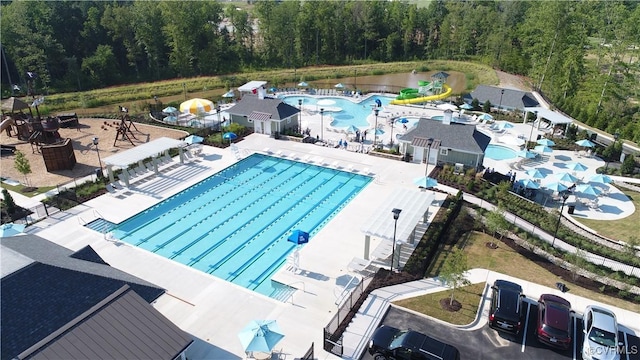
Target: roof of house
<point>278,109</point>
<point>123,326</point>
<point>44,286</point>
<point>461,137</point>
<point>515,99</point>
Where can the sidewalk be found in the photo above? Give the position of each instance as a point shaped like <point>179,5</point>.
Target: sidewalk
<point>375,307</point>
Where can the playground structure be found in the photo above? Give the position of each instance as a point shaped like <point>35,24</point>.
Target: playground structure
<point>426,91</point>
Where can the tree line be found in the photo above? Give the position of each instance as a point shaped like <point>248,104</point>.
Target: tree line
<point>583,55</point>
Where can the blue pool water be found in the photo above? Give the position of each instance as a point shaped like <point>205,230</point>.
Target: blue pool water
<point>349,113</point>
<point>235,224</point>
<point>497,152</point>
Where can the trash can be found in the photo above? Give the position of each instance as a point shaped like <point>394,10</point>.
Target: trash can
<point>99,173</point>
<point>571,209</point>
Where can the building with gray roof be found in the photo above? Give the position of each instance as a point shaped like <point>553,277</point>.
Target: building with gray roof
<point>264,115</point>
<point>506,99</point>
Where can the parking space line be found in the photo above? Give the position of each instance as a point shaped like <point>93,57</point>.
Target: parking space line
<point>526,323</point>
<point>575,336</point>
<point>626,345</point>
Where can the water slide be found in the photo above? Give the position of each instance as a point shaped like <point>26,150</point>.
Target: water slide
<point>422,99</point>
<point>6,123</point>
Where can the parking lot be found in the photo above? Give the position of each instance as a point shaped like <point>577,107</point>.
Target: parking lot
<point>486,343</point>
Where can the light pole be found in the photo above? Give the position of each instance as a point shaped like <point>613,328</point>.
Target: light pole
<point>355,79</point>
<point>426,168</point>
<point>391,146</point>
<point>322,124</point>
<point>500,104</point>
<point>184,88</point>
<point>218,111</point>
<point>95,142</point>
<point>300,116</point>
<point>375,129</point>
<point>565,196</point>
<point>396,215</point>
<point>531,133</point>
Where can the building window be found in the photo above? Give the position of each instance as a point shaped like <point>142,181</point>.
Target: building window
<point>288,120</point>
<point>444,152</point>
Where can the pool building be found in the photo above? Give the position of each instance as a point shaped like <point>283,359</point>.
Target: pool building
<point>445,142</point>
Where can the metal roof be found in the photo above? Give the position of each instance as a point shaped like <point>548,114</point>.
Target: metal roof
<point>414,205</point>
<point>121,326</point>
<point>259,116</point>
<point>248,87</point>
<point>552,116</point>
<point>457,136</point>
<point>506,98</point>
<point>278,109</point>
<point>144,151</point>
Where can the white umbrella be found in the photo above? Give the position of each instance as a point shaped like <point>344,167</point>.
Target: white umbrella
<point>197,106</point>
<point>303,84</point>
<point>339,86</point>
<point>447,106</point>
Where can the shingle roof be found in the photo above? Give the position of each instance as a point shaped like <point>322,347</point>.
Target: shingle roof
<point>456,136</point>
<point>53,289</point>
<point>123,326</point>
<point>278,109</point>
<point>515,99</point>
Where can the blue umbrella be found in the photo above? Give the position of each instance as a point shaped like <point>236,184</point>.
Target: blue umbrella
<point>260,335</point>
<point>273,89</point>
<point>466,106</point>
<point>193,139</point>
<point>229,136</point>
<point>505,125</point>
<point>426,182</point>
<point>169,110</point>
<point>11,229</point>
<point>379,132</point>
<point>299,237</point>
<point>526,154</point>
<point>529,184</point>
<point>339,86</point>
<point>485,117</point>
<point>565,176</point>
<point>228,94</point>
<point>543,149</point>
<point>402,120</point>
<point>600,178</point>
<point>585,143</point>
<point>587,189</point>
<point>556,186</point>
<point>545,142</point>
<point>576,166</point>
<point>535,173</point>
<point>352,129</point>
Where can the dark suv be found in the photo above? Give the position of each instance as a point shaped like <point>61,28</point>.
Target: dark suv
<point>554,321</point>
<point>390,343</point>
<point>506,307</point>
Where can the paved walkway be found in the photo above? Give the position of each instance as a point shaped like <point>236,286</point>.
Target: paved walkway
<point>373,310</point>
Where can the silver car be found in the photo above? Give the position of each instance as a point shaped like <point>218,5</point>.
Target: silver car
<point>600,335</point>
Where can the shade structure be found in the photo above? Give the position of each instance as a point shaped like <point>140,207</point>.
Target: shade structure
<point>576,166</point>
<point>11,229</point>
<point>228,94</point>
<point>585,143</point>
<point>600,178</point>
<point>535,174</point>
<point>196,106</point>
<point>299,237</point>
<point>426,182</point>
<point>229,136</point>
<point>587,190</point>
<point>13,104</point>
<point>193,139</point>
<point>545,142</point>
<point>556,186</point>
<point>466,106</point>
<point>169,110</point>
<point>565,176</point>
<point>525,154</point>
<point>447,106</point>
<point>543,149</point>
<point>379,132</point>
<point>485,117</point>
<point>170,119</point>
<point>402,120</point>
<point>352,129</point>
<point>260,336</point>
<point>303,84</point>
<point>339,86</point>
<point>529,184</point>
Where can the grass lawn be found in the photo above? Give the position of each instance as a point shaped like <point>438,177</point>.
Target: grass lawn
<point>506,261</point>
<point>18,189</point>
<point>468,296</point>
<point>622,229</point>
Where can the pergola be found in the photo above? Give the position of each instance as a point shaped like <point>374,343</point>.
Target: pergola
<point>554,117</point>
<point>414,205</point>
<point>148,150</point>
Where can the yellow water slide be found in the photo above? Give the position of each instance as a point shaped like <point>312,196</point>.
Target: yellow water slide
<point>417,100</point>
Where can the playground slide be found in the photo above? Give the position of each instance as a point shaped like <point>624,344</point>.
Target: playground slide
<point>422,99</point>
<point>6,123</point>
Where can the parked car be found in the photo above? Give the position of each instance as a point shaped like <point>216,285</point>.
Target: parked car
<point>554,321</point>
<point>600,334</point>
<point>505,313</point>
<point>389,343</point>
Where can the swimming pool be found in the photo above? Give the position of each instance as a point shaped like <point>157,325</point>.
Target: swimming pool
<point>498,152</point>
<point>235,224</point>
<point>348,113</point>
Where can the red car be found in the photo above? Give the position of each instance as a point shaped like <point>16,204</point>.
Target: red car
<point>554,321</point>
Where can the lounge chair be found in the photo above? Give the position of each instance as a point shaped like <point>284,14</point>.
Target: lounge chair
<point>150,167</point>
<point>116,185</point>
<point>111,190</point>
<point>132,173</point>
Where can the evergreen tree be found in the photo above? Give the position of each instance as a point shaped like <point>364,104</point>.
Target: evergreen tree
<point>9,203</point>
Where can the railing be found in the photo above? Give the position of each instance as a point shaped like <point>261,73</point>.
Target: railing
<point>303,289</point>
<point>97,215</point>
<point>309,354</point>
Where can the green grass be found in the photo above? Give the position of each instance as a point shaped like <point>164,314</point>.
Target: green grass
<point>20,188</point>
<point>468,296</point>
<point>622,229</point>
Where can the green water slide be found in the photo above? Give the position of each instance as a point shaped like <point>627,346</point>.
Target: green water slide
<point>408,93</point>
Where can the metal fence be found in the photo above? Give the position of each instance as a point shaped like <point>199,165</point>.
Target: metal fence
<point>309,355</point>
<point>333,338</point>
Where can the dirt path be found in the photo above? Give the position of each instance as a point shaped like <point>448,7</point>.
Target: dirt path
<point>510,81</point>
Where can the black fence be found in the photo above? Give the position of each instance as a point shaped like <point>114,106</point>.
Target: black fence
<point>309,355</point>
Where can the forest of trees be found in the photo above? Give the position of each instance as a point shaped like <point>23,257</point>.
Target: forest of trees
<point>583,55</point>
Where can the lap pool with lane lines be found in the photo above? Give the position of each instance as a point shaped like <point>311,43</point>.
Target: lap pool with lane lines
<point>235,224</point>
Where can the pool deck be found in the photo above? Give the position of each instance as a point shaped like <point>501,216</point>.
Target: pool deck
<point>214,310</point>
